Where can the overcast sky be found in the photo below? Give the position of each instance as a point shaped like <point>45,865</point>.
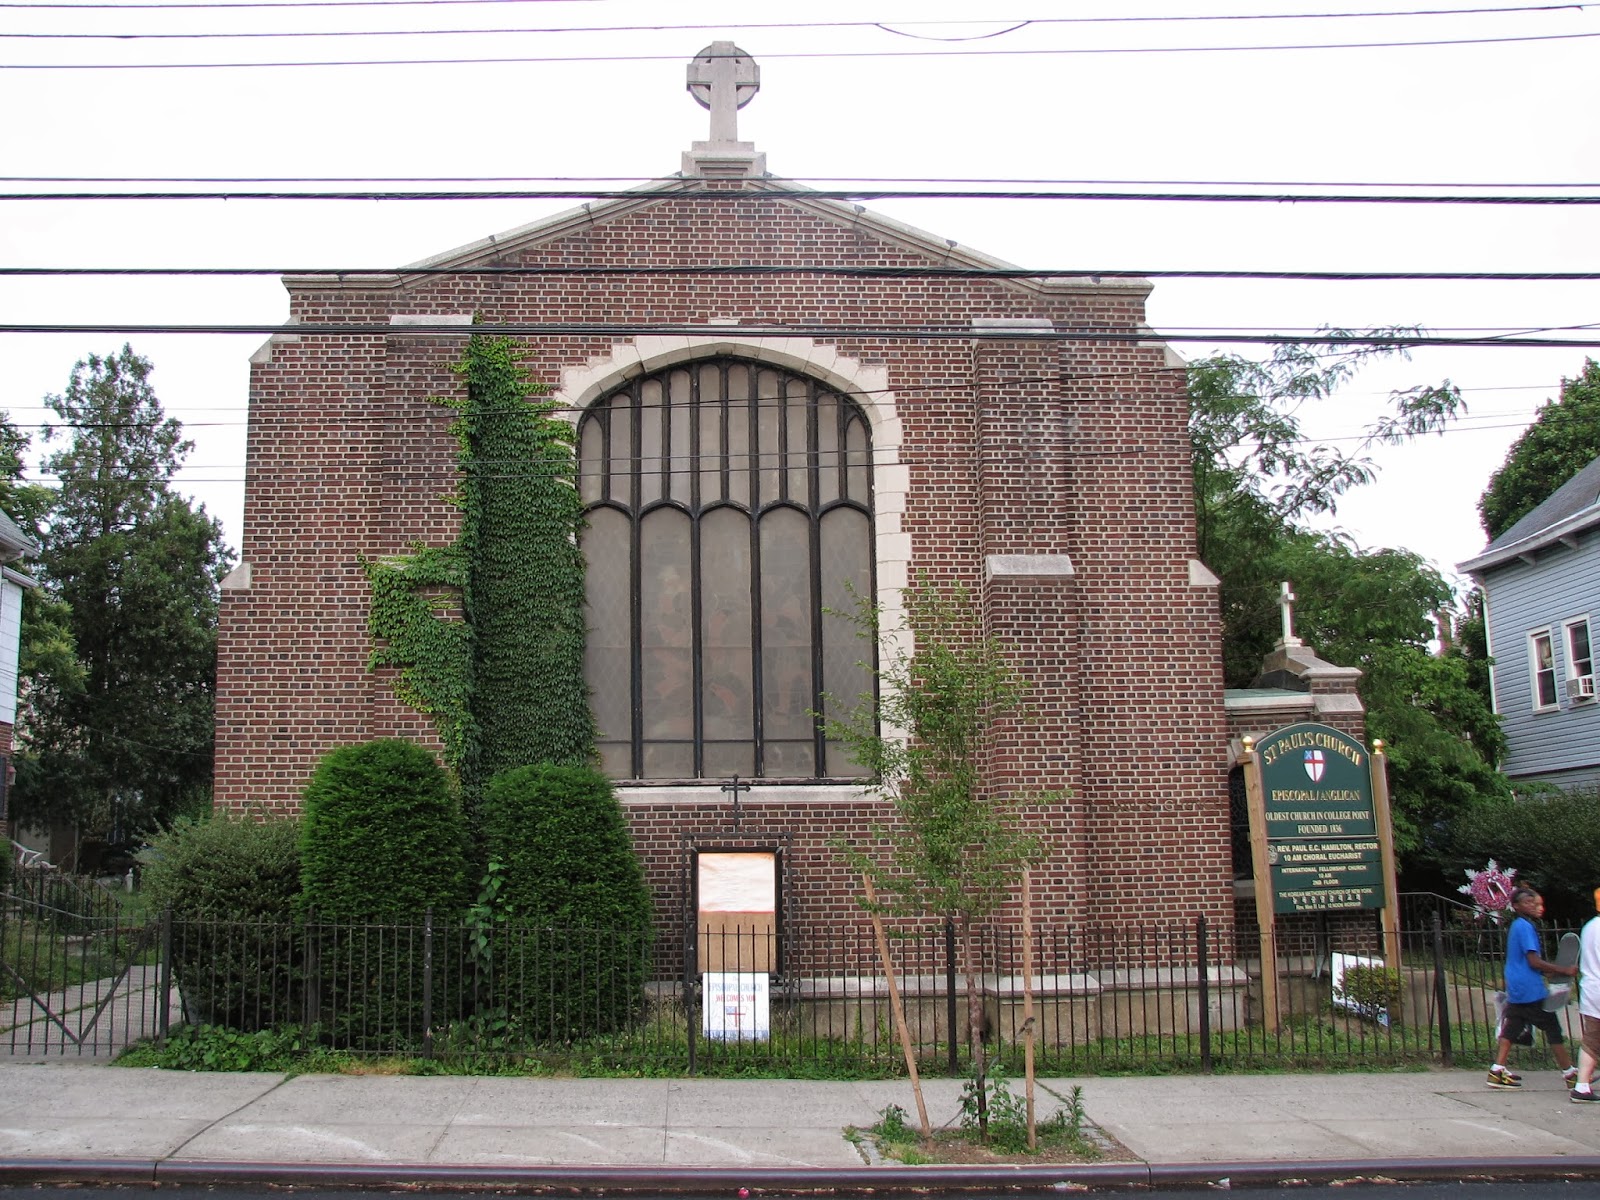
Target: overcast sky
<point>838,101</point>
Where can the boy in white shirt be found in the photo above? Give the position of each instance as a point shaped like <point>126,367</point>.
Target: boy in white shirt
<point>1588,1007</point>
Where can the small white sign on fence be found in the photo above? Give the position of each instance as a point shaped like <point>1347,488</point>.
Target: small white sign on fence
<point>735,1007</point>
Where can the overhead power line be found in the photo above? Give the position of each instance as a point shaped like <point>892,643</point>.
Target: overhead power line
<point>759,271</point>
<point>164,7</point>
<point>809,181</point>
<point>692,192</point>
<point>1070,51</point>
<point>741,461</point>
<point>1015,23</point>
<point>1324,337</point>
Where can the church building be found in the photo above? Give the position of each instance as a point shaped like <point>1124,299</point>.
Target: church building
<point>851,404</point>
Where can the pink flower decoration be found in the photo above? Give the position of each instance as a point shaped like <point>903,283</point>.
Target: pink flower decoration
<point>1490,890</point>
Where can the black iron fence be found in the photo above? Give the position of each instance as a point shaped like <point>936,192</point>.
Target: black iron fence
<point>77,977</point>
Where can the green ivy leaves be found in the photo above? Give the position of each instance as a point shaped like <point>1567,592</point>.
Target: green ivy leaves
<point>488,632</point>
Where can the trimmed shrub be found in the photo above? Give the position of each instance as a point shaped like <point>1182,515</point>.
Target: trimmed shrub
<point>574,952</point>
<point>382,834</point>
<point>382,841</point>
<point>231,885</point>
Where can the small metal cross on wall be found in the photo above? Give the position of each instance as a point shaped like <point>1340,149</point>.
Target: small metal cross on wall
<point>735,786</point>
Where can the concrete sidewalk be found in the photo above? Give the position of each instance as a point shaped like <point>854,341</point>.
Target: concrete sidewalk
<point>64,1119</point>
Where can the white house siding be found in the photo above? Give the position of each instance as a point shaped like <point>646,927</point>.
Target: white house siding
<point>1561,584</point>
<point>10,647</point>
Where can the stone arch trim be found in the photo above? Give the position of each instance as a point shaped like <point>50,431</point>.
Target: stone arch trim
<point>866,384</point>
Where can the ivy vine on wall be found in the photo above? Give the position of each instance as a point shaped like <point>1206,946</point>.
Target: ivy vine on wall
<point>503,680</point>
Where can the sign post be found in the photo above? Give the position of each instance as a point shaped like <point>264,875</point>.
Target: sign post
<point>1381,810</point>
<point>1259,857</point>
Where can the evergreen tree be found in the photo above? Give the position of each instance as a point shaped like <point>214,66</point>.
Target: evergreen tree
<point>119,739</point>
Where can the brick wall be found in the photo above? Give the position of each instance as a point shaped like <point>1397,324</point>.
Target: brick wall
<point>1013,447</point>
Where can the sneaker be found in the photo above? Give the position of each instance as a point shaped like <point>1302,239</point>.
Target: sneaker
<point>1570,1077</point>
<point>1579,1096</point>
<point>1503,1078</point>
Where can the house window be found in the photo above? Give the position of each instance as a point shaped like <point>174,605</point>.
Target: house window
<point>1541,658</point>
<point>1580,660</point>
<point>729,508</point>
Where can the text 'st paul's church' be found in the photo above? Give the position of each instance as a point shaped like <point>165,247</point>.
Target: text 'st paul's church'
<point>867,404</point>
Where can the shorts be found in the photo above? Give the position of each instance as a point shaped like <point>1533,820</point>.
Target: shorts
<point>1522,1019</point>
<point>1591,1035</point>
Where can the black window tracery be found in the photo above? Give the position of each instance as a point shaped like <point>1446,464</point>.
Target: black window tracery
<point>729,509</point>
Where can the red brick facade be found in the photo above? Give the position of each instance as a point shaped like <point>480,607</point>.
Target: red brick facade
<point>999,460</point>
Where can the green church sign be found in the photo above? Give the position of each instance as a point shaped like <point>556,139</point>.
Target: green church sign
<point>1322,836</point>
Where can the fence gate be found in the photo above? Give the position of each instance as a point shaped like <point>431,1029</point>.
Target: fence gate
<point>76,977</point>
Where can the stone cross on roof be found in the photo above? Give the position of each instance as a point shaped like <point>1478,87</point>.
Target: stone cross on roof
<point>1286,600</point>
<point>724,79</point>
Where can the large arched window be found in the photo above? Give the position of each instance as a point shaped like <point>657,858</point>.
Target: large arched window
<point>729,509</point>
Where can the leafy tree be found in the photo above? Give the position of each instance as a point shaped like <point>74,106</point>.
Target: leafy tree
<point>46,661</point>
<point>1374,610</point>
<point>957,850</point>
<point>1256,483</point>
<point>1256,479</point>
<point>1563,439</point>
<point>123,740</point>
<point>1547,833</point>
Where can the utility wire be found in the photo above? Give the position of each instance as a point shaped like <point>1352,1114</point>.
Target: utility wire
<point>657,195</point>
<point>877,180</point>
<point>759,271</point>
<point>390,468</point>
<point>1073,51</point>
<point>918,333</point>
<point>892,27</point>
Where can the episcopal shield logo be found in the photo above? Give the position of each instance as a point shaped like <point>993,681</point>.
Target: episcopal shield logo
<point>1315,764</point>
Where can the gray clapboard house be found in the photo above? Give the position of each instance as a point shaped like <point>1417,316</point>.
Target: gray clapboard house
<point>1541,586</point>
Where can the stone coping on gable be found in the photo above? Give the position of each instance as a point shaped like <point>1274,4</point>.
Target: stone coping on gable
<point>944,251</point>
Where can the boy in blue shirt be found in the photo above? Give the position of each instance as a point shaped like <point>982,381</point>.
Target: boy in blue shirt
<point>1525,993</point>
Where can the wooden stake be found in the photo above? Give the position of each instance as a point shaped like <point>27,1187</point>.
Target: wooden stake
<point>1029,1030</point>
<point>896,1010</point>
<point>1383,818</point>
<point>1263,873</point>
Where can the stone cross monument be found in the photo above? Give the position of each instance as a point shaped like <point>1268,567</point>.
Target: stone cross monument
<point>724,79</point>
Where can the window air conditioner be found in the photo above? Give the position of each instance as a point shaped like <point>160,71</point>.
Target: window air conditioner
<point>1580,687</point>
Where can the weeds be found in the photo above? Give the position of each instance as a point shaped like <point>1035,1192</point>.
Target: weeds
<point>213,1048</point>
<point>1008,1118</point>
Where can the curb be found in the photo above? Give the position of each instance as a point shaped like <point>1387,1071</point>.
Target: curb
<point>1022,1178</point>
